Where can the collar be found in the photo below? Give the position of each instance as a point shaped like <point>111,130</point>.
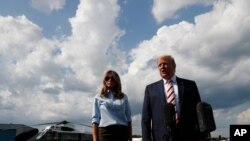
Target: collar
<point>173,79</point>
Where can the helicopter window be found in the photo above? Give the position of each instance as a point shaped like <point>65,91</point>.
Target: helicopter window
<point>67,129</point>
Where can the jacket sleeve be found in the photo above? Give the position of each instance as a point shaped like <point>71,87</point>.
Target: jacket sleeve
<point>96,115</point>
<point>146,117</point>
<point>128,110</point>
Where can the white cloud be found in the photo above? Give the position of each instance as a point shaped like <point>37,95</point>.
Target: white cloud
<point>46,79</point>
<point>230,116</point>
<point>47,6</point>
<point>206,47</point>
<point>164,9</point>
<point>244,117</point>
<point>94,33</point>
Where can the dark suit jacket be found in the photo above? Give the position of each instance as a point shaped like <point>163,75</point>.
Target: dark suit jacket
<point>153,109</point>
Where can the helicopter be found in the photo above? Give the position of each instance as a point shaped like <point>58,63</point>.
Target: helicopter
<point>62,131</point>
<point>16,132</point>
<point>55,131</point>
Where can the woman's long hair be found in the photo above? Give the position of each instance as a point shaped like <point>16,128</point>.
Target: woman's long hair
<point>117,90</point>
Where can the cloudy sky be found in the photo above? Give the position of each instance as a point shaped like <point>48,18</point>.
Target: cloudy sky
<point>53,55</point>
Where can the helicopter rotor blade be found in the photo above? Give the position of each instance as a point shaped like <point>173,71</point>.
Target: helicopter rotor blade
<point>61,122</point>
<point>48,123</point>
<point>85,125</point>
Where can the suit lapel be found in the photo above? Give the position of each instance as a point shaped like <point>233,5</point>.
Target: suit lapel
<point>161,92</point>
<point>180,84</point>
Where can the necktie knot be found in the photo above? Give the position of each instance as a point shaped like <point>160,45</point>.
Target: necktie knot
<point>169,81</point>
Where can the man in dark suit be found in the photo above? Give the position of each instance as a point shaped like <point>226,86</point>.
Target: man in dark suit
<point>185,98</point>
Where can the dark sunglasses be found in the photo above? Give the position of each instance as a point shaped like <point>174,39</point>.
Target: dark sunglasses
<point>107,78</point>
